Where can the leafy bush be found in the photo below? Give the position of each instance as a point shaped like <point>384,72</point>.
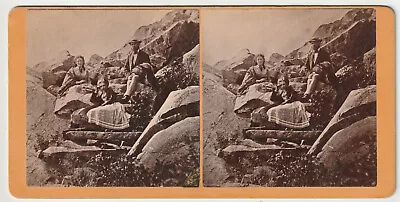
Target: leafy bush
<point>114,170</point>
<point>289,169</point>
<point>142,108</point>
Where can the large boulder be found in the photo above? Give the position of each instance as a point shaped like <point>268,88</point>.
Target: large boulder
<point>257,96</point>
<point>177,145</point>
<point>63,62</point>
<point>50,78</point>
<point>165,40</point>
<point>234,69</point>
<point>359,74</point>
<point>212,72</point>
<point>347,38</point>
<point>75,98</point>
<point>355,41</point>
<point>191,60</point>
<point>369,61</point>
<point>330,30</point>
<point>179,105</point>
<point>275,58</point>
<point>149,32</point>
<point>219,123</point>
<point>358,105</point>
<point>43,129</point>
<point>350,144</point>
<point>174,42</point>
<point>95,60</point>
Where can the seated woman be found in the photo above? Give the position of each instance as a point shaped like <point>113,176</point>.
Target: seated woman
<point>255,88</point>
<point>76,75</point>
<point>256,74</point>
<point>105,113</point>
<point>288,112</point>
<point>75,90</point>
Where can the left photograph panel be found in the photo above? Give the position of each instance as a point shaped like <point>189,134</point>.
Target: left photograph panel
<point>112,97</point>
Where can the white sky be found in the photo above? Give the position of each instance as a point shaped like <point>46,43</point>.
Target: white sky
<point>225,32</point>
<point>82,32</point>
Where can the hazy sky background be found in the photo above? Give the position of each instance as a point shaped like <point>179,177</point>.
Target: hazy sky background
<point>266,31</point>
<point>82,32</point>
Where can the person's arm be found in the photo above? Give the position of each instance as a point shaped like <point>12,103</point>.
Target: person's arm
<point>275,96</point>
<point>69,80</point>
<point>248,79</point>
<point>95,99</point>
<point>125,68</point>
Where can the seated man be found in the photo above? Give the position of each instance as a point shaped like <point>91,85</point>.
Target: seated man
<point>138,65</point>
<point>319,62</point>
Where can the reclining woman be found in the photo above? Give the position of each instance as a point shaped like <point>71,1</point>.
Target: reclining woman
<point>253,92</point>
<point>106,113</point>
<point>287,111</point>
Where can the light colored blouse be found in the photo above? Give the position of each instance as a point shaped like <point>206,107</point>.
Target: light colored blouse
<point>254,73</point>
<point>74,75</point>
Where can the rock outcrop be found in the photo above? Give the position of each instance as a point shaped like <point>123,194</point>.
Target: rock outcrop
<point>345,39</point>
<point>191,60</point>
<point>329,30</point>
<point>275,58</point>
<point>95,60</point>
<point>174,42</point>
<point>359,74</point>
<point>219,123</point>
<point>171,37</point>
<point>178,106</point>
<point>149,32</point>
<point>350,144</point>
<point>234,69</point>
<point>179,145</point>
<point>62,62</point>
<point>358,105</point>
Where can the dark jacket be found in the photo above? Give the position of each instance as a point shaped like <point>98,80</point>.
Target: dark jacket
<point>321,57</point>
<point>322,66</point>
<point>142,72</point>
<point>142,57</point>
<point>284,96</point>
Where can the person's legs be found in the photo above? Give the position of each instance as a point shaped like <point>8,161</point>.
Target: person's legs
<point>311,84</point>
<point>131,85</point>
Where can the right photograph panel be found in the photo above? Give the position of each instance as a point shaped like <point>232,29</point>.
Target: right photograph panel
<point>289,97</point>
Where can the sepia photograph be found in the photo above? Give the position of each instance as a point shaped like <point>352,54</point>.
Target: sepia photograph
<point>112,97</point>
<point>289,97</point>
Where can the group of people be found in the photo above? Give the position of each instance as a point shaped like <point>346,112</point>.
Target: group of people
<point>138,70</point>
<point>287,109</point>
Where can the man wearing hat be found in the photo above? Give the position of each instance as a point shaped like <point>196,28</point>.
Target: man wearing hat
<point>319,62</point>
<point>138,71</point>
